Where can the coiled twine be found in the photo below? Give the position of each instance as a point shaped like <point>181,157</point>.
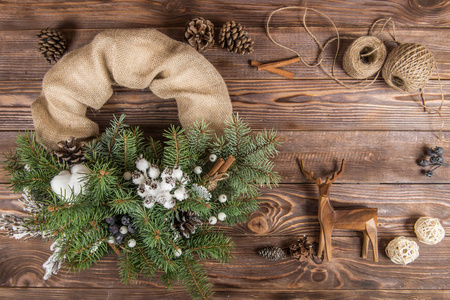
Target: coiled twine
<point>408,67</point>
<point>364,57</point>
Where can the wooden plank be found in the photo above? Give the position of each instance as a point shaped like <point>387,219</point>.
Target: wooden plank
<point>20,59</point>
<point>291,210</point>
<point>119,14</point>
<point>21,265</point>
<point>283,105</point>
<point>230,293</point>
<point>371,156</point>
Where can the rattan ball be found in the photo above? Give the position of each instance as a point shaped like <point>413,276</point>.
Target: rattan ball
<point>364,57</point>
<point>429,230</point>
<point>402,250</point>
<point>408,67</point>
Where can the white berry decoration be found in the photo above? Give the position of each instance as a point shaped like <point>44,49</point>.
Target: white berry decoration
<point>127,176</point>
<point>222,216</point>
<point>111,240</point>
<point>153,172</point>
<point>212,158</point>
<point>198,170</point>
<point>123,230</point>
<point>222,198</point>
<point>142,164</point>
<point>178,252</point>
<point>131,243</point>
<point>212,220</point>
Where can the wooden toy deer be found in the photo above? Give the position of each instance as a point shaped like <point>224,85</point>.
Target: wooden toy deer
<point>360,219</point>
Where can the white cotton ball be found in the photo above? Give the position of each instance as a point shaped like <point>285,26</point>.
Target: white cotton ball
<point>212,158</point>
<point>170,202</point>
<point>185,180</point>
<point>163,197</point>
<point>123,230</point>
<point>167,184</point>
<point>142,191</point>
<point>154,172</point>
<point>79,169</point>
<point>149,201</point>
<point>142,164</point>
<point>212,220</point>
<point>180,193</point>
<point>222,216</point>
<point>127,175</point>
<point>60,185</point>
<point>167,173</point>
<point>177,173</point>
<point>138,178</point>
<point>153,187</point>
<point>198,170</point>
<point>178,252</point>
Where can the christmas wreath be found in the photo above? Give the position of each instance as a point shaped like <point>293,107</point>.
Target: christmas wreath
<point>155,204</point>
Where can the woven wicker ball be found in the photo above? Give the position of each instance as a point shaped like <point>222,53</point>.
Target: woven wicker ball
<point>402,250</point>
<point>429,230</point>
<point>408,67</point>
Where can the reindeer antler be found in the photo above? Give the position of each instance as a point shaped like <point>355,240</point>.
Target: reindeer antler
<point>309,175</point>
<point>336,175</point>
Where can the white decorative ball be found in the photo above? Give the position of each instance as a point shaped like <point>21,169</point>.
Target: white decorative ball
<point>127,176</point>
<point>180,193</point>
<point>178,252</point>
<point>177,173</point>
<point>153,172</point>
<point>222,216</point>
<point>111,240</point>
<point>212,158</point>
<point>222,198</point>
<point>131,243</point>
<point>123,230</point>
<point>402,250</point>
<point>198,170</point>
<point>429,230</point>
<point>212,220</point>
<point>142,164</point>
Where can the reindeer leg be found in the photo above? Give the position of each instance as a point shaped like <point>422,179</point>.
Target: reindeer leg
<point>327,230</point>
<point>371,228</point>
<point>365,245</point>
<point>321,243</point>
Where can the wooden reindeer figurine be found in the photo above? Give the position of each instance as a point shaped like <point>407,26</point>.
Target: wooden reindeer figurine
<point>360,219</point>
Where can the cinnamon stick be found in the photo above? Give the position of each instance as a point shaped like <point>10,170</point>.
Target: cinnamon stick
<point>230,160</point>
<point>216,167</point>
<point>279,63</point>
<point>281,72</point>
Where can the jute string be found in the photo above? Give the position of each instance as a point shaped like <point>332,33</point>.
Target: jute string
<point>407,68</point>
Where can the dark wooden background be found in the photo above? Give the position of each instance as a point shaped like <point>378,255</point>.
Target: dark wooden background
<point>380,133</point>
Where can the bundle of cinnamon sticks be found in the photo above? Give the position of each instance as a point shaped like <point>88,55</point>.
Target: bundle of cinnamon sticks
<point>274,67</point>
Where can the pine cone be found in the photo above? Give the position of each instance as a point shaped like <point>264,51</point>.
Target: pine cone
<point>52,44</point>
<point>301,249</point>
<point>233,38</point>
<point>200,34</point>
<point>186,223</point>
<point>272,253</point>
<point>70,151</point>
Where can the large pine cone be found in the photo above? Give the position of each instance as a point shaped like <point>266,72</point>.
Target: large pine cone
<point>70,151</point>
<point>52,44</point>
<point>272,253</point>
<point>200,34</point>
<point>234,38</point>
<point>186,222</point>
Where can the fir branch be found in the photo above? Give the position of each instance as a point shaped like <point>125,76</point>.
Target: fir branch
<point>195,280</point>
<point>118,125</point>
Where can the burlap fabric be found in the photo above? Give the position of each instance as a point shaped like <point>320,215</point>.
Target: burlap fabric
<point>133,58</point>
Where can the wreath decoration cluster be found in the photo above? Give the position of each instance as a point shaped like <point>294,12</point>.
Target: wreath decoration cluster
<point>153,203</point>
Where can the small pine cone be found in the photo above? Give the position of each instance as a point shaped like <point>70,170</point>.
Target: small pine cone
<point>272,253</point>
<point>70,151</point>
<point>200,34</point>
<point>301,249</point>
<point>234,38</point>
<point>52,44</point>
<point>186,222</point>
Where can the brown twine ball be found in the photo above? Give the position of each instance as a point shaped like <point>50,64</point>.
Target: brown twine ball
<point>408,67</point>
<point>364,57</point>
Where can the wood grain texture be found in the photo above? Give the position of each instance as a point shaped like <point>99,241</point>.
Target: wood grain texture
<point>283,105</point>
<point>380,132</point>
<point>152,293</point>
<point>170,13</point>
<point>20,60</point>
